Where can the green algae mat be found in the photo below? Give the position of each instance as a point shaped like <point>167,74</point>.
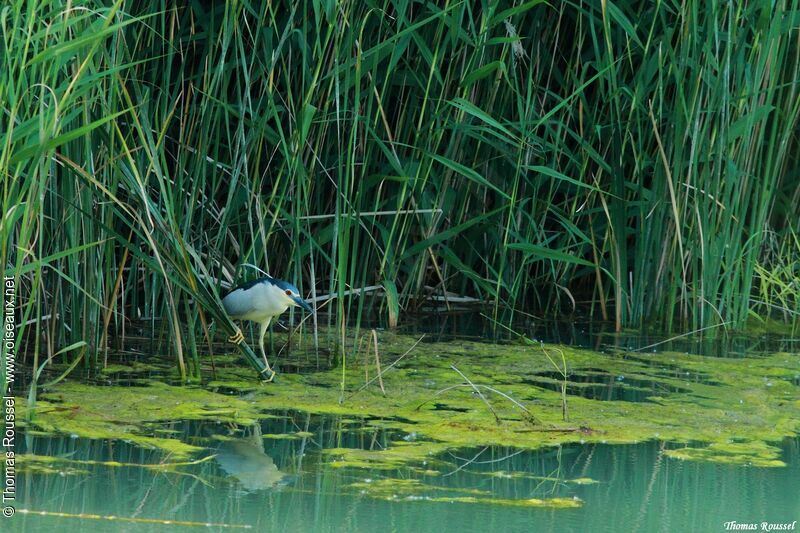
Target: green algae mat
<point>464,394</point>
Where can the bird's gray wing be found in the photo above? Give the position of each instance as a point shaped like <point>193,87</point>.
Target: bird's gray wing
<point>239,303</point>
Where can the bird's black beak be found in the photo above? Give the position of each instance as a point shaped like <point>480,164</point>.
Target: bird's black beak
<point>302,303</point>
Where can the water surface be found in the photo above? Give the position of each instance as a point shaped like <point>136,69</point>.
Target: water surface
<point>284,473</point>
<point>275,477</point>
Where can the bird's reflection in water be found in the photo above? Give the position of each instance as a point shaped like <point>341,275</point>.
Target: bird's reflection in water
<point>245,460</point>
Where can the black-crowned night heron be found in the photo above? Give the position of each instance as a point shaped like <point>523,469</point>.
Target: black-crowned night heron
<point>260,301</point>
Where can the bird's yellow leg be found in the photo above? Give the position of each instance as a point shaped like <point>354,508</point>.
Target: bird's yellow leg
<point>237,338</point>
<point>264,326</point>
<point>271,375</point>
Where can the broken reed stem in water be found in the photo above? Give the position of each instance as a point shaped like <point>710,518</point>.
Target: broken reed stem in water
<point>564,373</point>
<point>365,385</point>
<point>374,335</point>
<point>378,361</point>
<point>688,333</point>
<point>366,357</point>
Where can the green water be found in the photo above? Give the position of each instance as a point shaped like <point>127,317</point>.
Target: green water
<point>281,484</point>
<point>295,471</point>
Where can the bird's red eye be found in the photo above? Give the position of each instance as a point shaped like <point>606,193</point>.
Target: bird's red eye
<point>288,292</point>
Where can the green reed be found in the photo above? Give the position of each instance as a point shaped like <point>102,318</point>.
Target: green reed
<point>637,159</point>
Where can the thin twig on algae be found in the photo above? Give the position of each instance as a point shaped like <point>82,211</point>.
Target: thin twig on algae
<point>530,416</point>
<point>480,394</point>
<point>380,374</point>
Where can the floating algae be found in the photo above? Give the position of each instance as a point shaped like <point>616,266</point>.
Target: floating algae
<point>44,464</point>
<point>413,490</point>
<point>747,400</point>
<point>751,453</point>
